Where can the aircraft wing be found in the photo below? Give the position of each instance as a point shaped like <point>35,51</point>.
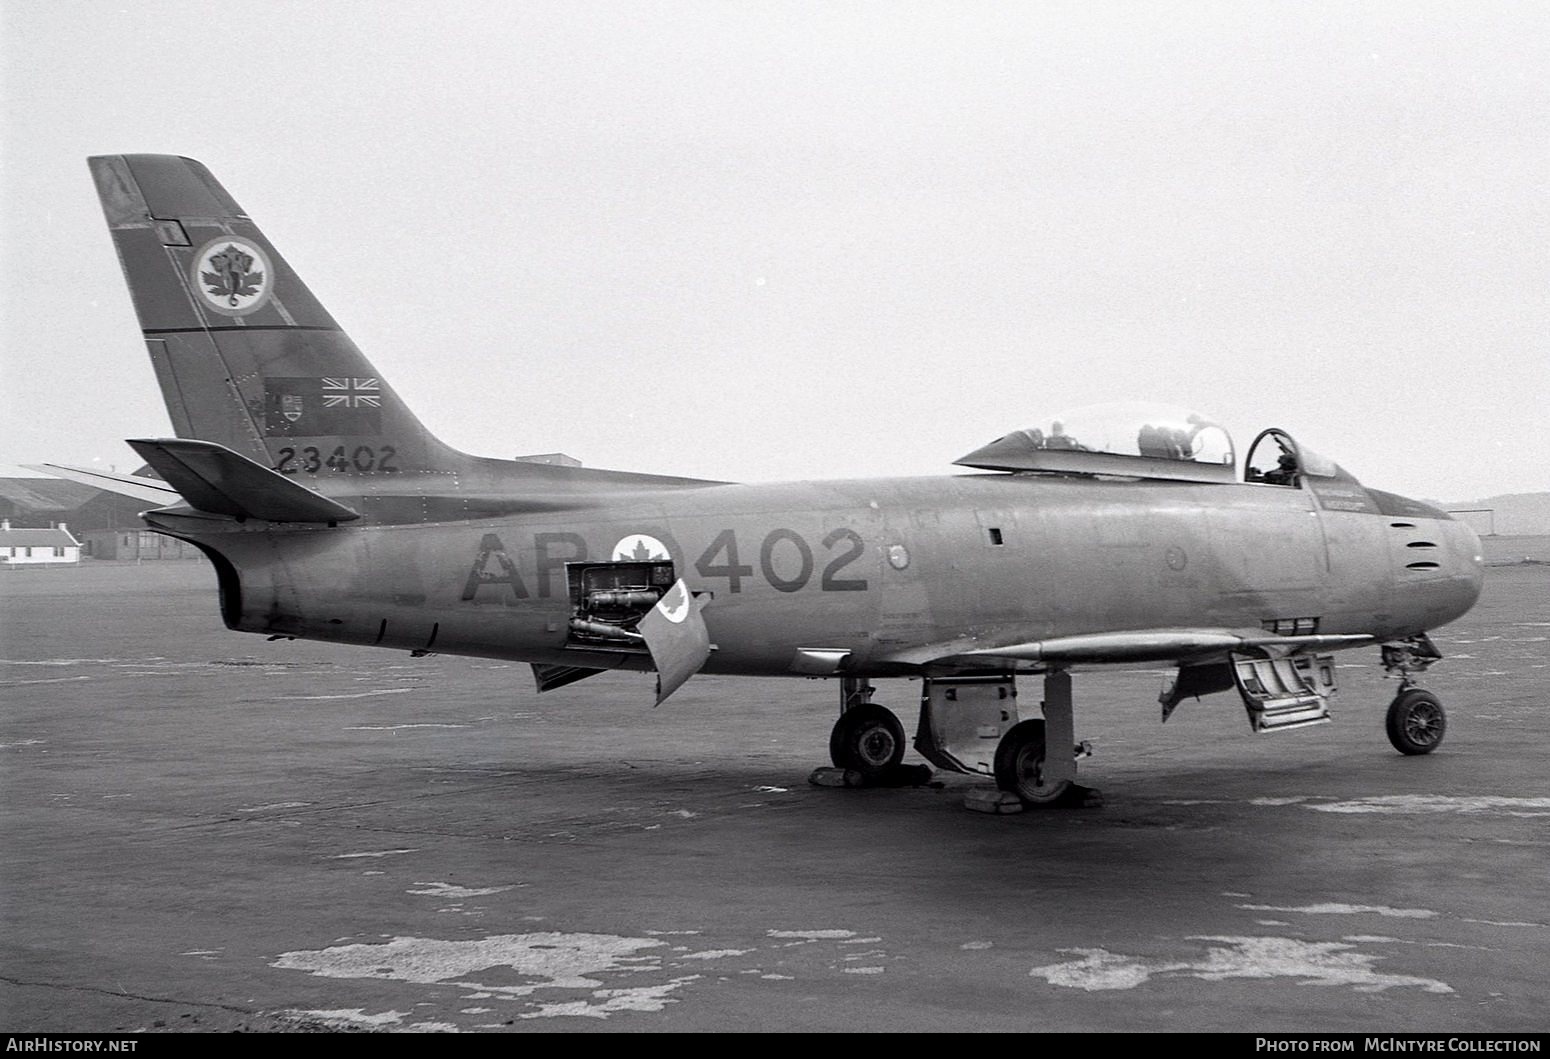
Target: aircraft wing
<point>149,489</point>
<point>1113,648</point>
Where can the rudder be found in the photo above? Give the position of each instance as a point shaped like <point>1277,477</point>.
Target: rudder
<point>245,355</point>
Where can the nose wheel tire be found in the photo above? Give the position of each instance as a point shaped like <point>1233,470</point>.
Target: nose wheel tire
<point>1020,766</point>
<point>1416,722</point>
<point>868,739</point>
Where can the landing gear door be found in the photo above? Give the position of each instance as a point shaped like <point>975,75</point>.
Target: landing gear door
<point>1285,692</point>
<point>676,636</point>
<point>962,720</point>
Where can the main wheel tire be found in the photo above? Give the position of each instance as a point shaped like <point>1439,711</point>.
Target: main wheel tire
<point>868,739</point>
<point>1416,722</point>
<point>1020,766</point>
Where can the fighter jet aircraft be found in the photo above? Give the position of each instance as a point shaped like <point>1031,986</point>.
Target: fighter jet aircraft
<point>1114,535</point>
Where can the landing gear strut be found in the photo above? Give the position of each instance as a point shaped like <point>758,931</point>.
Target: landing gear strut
<point>1416,721</point>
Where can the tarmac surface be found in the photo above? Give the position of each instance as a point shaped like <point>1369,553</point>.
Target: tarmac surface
<point>202,830</point>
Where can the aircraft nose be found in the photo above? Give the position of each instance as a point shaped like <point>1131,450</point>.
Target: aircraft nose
<point>1440,567</point>
<point>1471,555</point>
<point>1466,567</point>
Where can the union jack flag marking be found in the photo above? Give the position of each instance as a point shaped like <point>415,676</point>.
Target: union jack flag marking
<point>352,393</point>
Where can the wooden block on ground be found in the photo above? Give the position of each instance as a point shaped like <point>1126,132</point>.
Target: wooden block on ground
<point>833,777</point>
<point>990,800</point>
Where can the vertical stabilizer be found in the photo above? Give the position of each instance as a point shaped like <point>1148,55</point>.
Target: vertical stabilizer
<point>246,356</point>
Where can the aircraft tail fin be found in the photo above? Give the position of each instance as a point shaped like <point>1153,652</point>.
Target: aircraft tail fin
<point>214,479</point>
<point>246,357</point>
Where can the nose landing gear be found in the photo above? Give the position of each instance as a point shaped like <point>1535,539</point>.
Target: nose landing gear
<point>1416,721</point>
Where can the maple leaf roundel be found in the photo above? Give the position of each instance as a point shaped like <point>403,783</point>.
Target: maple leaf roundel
<point>639,547</point>
<point>674,604</point>
<point>232,275</point>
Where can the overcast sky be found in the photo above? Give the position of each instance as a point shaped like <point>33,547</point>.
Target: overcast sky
<point>793,240</point>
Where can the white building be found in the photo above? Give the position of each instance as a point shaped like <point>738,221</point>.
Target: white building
<point>35,547</point>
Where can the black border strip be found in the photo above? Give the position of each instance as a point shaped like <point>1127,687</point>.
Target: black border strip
<point>254,327</point>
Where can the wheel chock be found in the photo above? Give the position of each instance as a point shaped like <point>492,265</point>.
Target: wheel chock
<point>990,800</point>
<point>1085,797</point>
<point>898,776</point>
<point>833,777</point>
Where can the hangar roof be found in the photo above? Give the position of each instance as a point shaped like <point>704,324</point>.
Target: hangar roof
<point>46,494</point>
<point>37,538</point>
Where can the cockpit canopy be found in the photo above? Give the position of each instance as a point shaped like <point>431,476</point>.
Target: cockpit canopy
<point>1132,439</point>
<point>1276,459</point>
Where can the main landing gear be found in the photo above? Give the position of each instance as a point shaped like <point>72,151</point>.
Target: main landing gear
<point>1020,767</point>
<point>1416,721</point>
<point>1028,773</point>
<point>867,744</point>
<point>969,725</point>
<point>867,738</point>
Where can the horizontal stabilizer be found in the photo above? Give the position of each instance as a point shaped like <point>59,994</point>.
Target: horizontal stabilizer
<point>214,479</point>
<point>148,489</point>
<point>1140,645</point>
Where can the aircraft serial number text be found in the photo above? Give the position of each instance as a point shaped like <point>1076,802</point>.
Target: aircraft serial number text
<point>846,543</point>
<point>787,563</point>
<point>363,458</point>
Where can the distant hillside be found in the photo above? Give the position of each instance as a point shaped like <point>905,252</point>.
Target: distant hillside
<point>1517,514</point>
